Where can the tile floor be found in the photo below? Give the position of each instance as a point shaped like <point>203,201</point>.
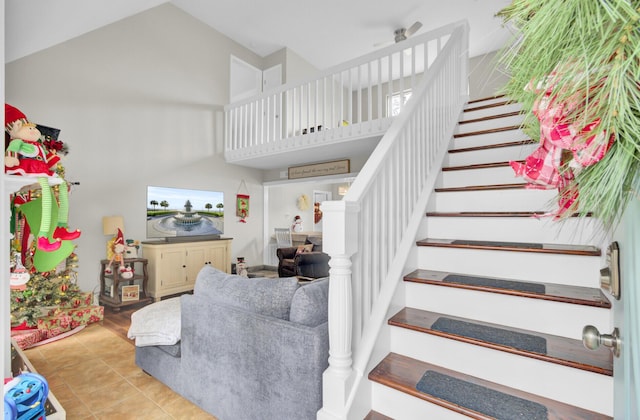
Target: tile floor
<point>94,376</point>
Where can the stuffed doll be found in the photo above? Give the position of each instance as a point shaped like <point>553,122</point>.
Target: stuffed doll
<point>118,248</point>
<point>27,156</point>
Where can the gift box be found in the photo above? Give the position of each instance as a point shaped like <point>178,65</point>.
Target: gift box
<point>63,320</point>
<point>27,338</point>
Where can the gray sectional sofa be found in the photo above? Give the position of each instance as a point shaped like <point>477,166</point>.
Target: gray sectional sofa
<point>249,348</point>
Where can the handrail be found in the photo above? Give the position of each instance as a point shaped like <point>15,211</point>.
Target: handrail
<point>370,233</point>
<point>350,99</point>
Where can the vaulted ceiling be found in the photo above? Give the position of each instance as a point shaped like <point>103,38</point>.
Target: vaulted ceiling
<point>325,33</point>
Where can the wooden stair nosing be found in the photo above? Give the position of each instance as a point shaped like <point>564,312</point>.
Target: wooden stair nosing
<point>493,146</point>
<point>487,106</point>
<point>374,415</point>
<point>498,214</point>
<point>403,373</point>
<point>487,131</point>
<point>488,98</point>
<point>584,250</point>
<point>492,117</point>
<point>575,295</point>
<point>518,186</point>
<point>478,166</point>
<point>560,350</point>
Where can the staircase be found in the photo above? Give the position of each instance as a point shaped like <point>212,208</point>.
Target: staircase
<point>493,315</point>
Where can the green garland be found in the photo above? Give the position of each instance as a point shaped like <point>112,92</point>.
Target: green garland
<point>594,46</point>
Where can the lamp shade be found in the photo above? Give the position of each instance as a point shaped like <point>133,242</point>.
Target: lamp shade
<point>111,224</point>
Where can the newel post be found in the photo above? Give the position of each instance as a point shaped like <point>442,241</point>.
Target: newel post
<point>340,240</point>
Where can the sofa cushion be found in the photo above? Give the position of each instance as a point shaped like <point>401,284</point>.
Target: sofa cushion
<point>266,296</point>
<point>316,241</point>
<point>156,324</point>
<point>310,303</point>
<point>304,248</point>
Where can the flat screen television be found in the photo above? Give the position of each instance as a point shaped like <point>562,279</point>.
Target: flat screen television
<point>178,213</point>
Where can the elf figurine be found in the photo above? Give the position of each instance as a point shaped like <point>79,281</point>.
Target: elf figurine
<point>27,156</point>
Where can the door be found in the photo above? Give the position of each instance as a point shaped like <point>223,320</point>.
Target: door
<point>172,268</point>
<point>272,78</point>
<point>245,80</point>
<point>626,368</point>
<point>196,258</point>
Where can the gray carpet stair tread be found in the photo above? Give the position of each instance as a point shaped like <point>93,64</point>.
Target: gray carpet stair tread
<point>587,296</point>
<point>559,350</point>
<point>404,374</point>
<point>567,249</point>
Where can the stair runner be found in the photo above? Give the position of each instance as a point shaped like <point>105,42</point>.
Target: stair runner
<point>405,374</point>
<point>472,396</point>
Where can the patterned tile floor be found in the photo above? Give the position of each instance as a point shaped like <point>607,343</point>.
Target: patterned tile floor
<point>94,376</point>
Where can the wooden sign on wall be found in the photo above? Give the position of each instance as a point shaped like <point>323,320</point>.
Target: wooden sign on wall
<point>320,169</point>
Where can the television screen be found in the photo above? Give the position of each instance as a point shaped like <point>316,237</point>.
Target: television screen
<point>178,212</point>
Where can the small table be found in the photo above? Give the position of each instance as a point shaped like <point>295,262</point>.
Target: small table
<point>114,290</point>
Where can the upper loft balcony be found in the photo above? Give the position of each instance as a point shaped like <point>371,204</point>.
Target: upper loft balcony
<point>341,112</point>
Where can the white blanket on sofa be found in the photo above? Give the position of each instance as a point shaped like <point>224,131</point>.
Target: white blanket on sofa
<point>157,324</point>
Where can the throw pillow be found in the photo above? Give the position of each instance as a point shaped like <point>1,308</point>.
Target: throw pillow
<point>158,324</point>
<point>304,248</point>
<point>310,303</point>
<point>266,296</point>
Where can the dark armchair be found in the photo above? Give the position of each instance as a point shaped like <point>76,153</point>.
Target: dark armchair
<point>313,264</point>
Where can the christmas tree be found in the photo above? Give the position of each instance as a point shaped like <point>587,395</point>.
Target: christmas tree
<point>45,291</point>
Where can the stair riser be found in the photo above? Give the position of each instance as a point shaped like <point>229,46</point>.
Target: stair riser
<point>511,229</point>
<point>501,200</point>
<point>469,115</point>
<point>489,124</point>
<point>569,385</point>
<point>528,266</point>
<point>484,176</point>
<point>548,317</point>
<point>502,154</point>
<point>399,405</point>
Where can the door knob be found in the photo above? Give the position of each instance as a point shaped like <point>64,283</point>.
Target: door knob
<point>592,339</point>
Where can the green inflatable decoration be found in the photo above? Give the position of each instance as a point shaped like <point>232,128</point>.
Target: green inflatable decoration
<point>42,260</point>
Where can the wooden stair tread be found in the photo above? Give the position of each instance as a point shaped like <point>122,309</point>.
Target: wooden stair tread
<point>516,186</point>
<point>586,250</point>
<point>496,214</point>
<point>374,415</point>
<point>487,106</point>
<point>586,296</point>
<point>493,146</point>
<point>477,166</point>
<point>487,131</point>
<point>403,374</point>
<point>492,117</point>
<point>560,350</point>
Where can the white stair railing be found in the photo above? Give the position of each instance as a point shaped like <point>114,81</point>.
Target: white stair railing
<point>370,233</point>
<point>348,100</point>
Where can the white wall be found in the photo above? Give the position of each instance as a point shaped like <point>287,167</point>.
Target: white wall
<point>486,75</point>
<point>139,103</point>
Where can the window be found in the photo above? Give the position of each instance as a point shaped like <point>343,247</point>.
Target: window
<point>394,102</point>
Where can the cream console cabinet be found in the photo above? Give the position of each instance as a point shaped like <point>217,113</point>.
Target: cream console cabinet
<point>174,266</point>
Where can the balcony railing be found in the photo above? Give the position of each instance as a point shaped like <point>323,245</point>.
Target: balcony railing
<point>351,100</point>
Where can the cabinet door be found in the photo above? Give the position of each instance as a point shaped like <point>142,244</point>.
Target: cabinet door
<point>172,270</point>
<point>218,258</point>
<point>196,258</point>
